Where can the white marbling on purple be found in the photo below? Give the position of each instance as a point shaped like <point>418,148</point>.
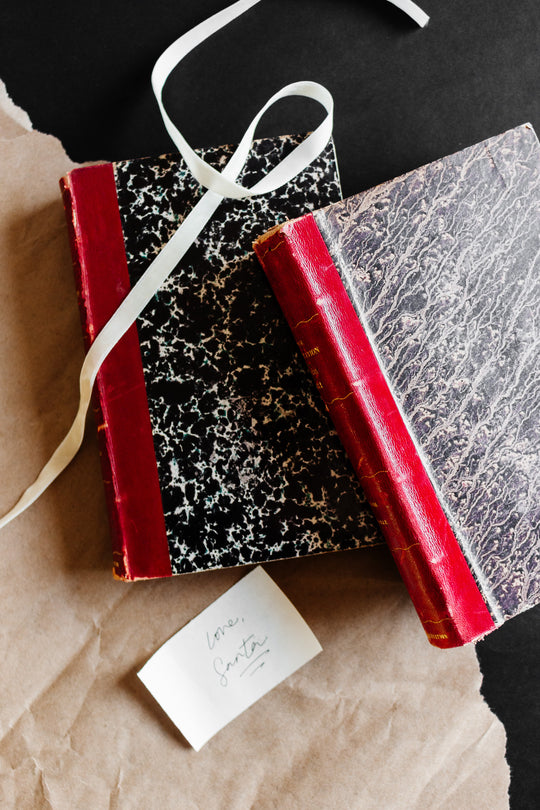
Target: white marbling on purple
<point>443,267</point>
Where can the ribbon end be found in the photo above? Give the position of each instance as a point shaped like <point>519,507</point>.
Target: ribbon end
<point>413,11</point>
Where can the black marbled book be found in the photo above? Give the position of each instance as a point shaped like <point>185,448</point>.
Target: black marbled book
<point>216,448</point>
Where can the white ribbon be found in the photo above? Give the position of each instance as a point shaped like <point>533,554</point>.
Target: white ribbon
<point>218,185</point>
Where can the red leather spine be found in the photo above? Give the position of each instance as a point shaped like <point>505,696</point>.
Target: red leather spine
<point>347,374</point>
<point>140,548</point>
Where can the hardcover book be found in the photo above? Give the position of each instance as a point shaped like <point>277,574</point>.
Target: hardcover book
<point>215,449</point>
<point>417,307</point>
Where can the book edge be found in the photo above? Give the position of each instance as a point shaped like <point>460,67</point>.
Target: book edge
<point>372,194</point>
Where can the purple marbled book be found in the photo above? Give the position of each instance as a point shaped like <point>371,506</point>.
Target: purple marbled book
<point>421,321</point>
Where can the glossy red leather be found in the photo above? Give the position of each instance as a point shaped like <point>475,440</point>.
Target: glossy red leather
<point>345,368</point>
<point>140,548</point>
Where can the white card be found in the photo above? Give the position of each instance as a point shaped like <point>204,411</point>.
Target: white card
<point>230,655</point>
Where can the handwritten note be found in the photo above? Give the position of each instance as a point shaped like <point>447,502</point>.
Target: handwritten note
<point>240,647</point>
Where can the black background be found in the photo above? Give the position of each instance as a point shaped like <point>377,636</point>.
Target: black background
<point>404,96</point>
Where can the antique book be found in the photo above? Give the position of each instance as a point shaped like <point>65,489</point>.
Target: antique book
<point>417,308</point>
<point>215,451</point>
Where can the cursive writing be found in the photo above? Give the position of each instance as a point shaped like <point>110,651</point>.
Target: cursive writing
<point>219,632</point>
<point>249,653</point>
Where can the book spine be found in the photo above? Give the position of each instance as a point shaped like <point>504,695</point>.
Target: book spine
<point>140,548</point>
<point>120,569</point>
<point>347,374</point>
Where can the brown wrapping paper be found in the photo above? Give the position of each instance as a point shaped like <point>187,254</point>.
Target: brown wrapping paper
<point>380,719</point>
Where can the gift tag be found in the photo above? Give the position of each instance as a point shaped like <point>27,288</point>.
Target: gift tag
<point>240,647</point>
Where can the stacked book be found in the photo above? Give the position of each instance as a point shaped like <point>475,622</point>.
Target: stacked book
<point>415,306</point>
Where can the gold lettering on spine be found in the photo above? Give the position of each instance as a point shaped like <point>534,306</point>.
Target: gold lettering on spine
<point>339,399</point>
<point>306,320</point>
<point>380,472</point>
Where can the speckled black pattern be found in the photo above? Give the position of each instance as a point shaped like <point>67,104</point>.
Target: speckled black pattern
<point>443,267</point>
<point>249,466</point>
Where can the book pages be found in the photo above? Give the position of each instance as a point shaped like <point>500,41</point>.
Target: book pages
<point>378,719</point>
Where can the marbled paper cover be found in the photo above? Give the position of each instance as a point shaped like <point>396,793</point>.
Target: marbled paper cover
<point>443,268</point>
<point>250,468</point>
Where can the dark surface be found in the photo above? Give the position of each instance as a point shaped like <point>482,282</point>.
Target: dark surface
<point>403,97</point>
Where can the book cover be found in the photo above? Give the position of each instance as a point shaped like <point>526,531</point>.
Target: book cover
<point>417,307</point>
<point>215,449</point>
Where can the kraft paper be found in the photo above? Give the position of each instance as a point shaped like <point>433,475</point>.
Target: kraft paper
<point>380,719</point>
